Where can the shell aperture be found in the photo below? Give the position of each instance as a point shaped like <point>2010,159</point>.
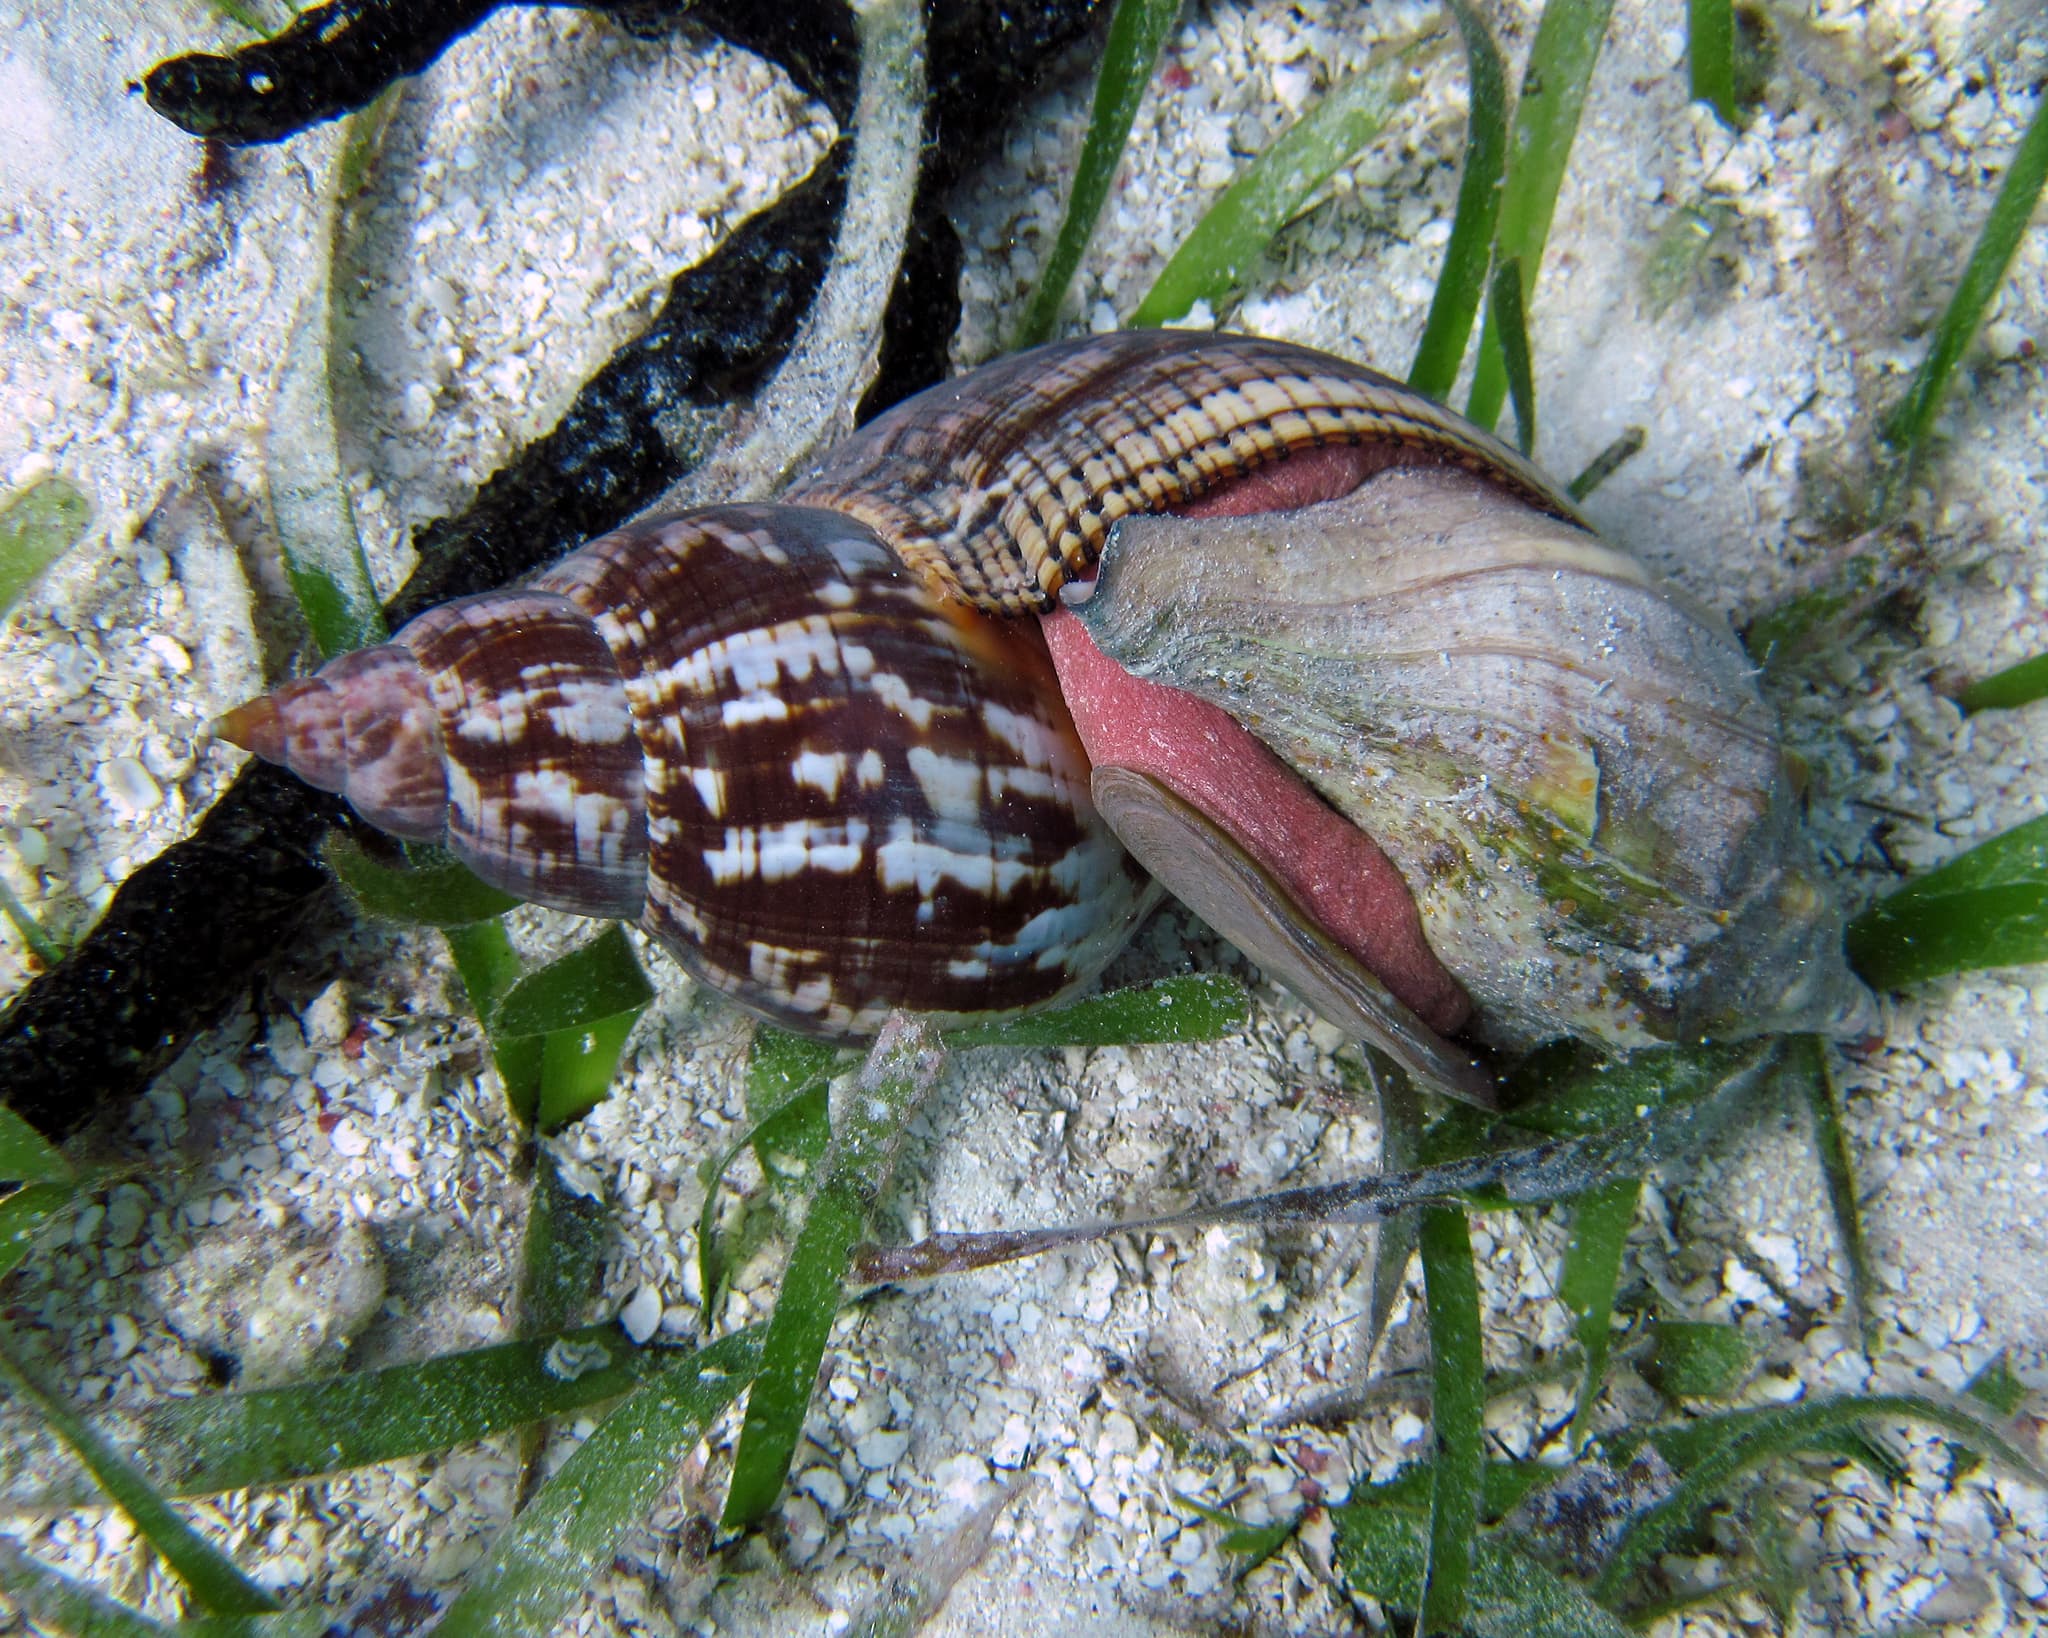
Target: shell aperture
<point>1569,762</point>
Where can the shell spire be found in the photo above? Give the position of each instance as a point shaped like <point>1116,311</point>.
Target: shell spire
<point>827,791</point>
<point>363,728</point>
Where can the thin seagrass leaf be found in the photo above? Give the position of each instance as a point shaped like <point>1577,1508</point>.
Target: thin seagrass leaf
<point>1508,1484</point>
<point>781,1069</point>
<point>1616,1092</point>
<point>1608,462</point>
<point>489,967</point>
<point>1514,1596</point>
<point>898,1076</point>
<point>1831,1142</point>
<point>1907,426</point>
<point>799,1125</point>
<point>1841,601</point>
<point>1396,1237</point>
<point>1136,33</point>
<point>38,524</point>
<point>243,15</point>
<point>1510,326</point>
<point>1586,1285</point>
<point>308,491</point>
<point>1216,259</point>
<point>1683,1445</point>
<point>806,1303</point>
<point>1710,57</point>
<point>1461,280</point>
<point>25,1213</point>
<point>790,1141</point>
<point>1503,1485</point>
<point>2008,690</point>
<point>1457,1413</point>
<point>1772,1536</point>
<point>1984,908</point>
<point>560,1258</point>
<point>592,983</point>
<point>1254,1543</point>
<point>1680,250</point>
<point>272,1436</point>
<point>213,1577</point>
<point>1757,1436</point>
<point>539,1567</point>
<point>780,1065</point>
<point>1380,1550</point>
<point>26,1156</point>
<point>567,1235</point>
<point>39,943</point>
<point>1647,1615</point>
<point>576,1068</point>
<point>439,893</point>
<point>1996,1386</point>
<point>1192,1007</point>
<point>1868,1452</point>
<point>1554,84</point>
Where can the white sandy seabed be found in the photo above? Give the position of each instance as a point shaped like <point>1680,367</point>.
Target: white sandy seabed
<point>536,190</point>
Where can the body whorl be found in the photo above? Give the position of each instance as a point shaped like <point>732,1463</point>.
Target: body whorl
<point>858,797</point>
<point>1002,485</point>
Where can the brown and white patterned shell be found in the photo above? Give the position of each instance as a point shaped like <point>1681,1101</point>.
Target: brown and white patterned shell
<point>833,786</point>
<point>829,792</point>
<point>1002,485</point>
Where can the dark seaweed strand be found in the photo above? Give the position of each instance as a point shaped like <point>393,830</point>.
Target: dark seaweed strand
<point>175,947</point>
<point>337,57</point>
<point>185,932</point>
<point>981,52</point>
<point>333,60</point>
<point>923,314</point>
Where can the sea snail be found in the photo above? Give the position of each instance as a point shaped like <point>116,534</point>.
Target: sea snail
<point>1355,681</point>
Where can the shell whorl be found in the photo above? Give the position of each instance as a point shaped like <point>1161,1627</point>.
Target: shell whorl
<point>1002,485</point>
<point>543,763</point>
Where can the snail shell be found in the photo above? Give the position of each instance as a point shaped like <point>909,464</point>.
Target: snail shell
<point>829,792</point>
<point>1358,684</point>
